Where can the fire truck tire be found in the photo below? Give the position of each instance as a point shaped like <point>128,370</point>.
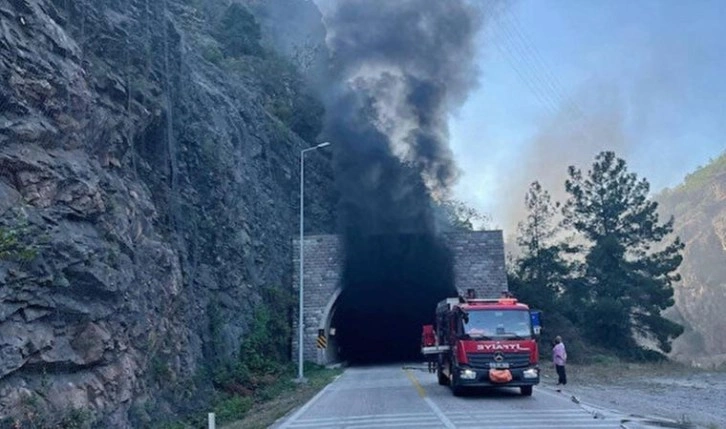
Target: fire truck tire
<point>456,389</point>
<point>526,390</point>
<point>443,379</point>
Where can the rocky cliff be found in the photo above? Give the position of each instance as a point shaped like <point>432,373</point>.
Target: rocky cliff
<point>152,182</point>
<point>699,207</point>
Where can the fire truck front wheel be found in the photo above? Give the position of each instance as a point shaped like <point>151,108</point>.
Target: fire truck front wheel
<point>456,389</point>
<point>526,390</point>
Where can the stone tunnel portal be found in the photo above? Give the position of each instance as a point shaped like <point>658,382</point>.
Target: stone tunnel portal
<point>377,322</point>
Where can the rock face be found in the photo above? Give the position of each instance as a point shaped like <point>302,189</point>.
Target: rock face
<point>699,207</point>
<point>155,188</point>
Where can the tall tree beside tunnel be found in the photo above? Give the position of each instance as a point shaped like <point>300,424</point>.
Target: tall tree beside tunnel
<point>460,216</point>
<point>630,262</point>
<point>538,274</point>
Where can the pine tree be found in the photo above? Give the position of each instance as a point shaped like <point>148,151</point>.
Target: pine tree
<point>539,272</point>
<point>630,266</point>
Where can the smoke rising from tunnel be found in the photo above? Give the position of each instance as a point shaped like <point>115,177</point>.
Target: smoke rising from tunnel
<point>399,68</point>
<point>402,67</point>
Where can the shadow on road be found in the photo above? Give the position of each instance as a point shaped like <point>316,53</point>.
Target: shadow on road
<point>492,392</point>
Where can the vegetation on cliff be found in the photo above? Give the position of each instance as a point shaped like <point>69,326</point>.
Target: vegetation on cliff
<point>697,181</point>
<point>239,50</point>
<point>17,243</point>
<point>152,150</point>
<point>699,207</point>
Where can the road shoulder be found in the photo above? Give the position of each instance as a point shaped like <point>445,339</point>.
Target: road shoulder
<point>272,412</point>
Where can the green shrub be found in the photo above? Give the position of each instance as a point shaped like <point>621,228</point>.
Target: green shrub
<point>239,33</point>
<point>76,418</point>
<point>259,351</point>
<point>213,54</point>
<point>306,119</point>
<point>265,347</point>
<point>276,389</point>
<point>33,413</point>
<point>160,370</point>
<point>16,243</point>
<point>172,425</point>
<point>640,354</point>
<point>703,175</point>
<point>604,359</point>
<point>289,97</point>
<point>232,409</point>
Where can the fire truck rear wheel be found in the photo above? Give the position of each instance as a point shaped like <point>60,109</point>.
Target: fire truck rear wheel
<point>443,379</point>
<point>526,390</point>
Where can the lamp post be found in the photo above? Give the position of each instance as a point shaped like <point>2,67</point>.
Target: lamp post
<point>300,324</point>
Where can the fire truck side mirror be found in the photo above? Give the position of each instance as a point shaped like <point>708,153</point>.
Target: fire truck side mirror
<point>535,317</point>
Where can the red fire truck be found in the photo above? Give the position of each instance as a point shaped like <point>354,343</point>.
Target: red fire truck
<point>484,343</point>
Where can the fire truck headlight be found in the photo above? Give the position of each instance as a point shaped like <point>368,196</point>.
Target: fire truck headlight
<point>531,373</point>
<point>467,374</point>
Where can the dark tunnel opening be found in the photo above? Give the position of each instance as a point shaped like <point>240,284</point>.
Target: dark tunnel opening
<point>391,286</point>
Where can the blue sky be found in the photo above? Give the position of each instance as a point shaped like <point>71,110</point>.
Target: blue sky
<point>648,79</point>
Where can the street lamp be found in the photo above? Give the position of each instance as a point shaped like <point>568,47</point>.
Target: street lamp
<point>300,326</point>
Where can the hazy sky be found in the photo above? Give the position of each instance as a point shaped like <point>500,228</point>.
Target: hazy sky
<point>644,78</point>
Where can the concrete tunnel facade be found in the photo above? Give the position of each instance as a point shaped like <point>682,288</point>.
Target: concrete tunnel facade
<point>479,264</point>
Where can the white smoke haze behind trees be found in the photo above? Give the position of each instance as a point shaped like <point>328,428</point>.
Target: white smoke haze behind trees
<point>571,137</point>
<point>634,119</point>
<point>644,75</point>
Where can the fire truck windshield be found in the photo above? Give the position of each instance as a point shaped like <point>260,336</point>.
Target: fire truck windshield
<point>498,324</point>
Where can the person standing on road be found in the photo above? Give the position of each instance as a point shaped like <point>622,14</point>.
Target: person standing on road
<point>559,356</point>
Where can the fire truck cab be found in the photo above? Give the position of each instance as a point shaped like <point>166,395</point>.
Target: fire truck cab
<point>485,343</point>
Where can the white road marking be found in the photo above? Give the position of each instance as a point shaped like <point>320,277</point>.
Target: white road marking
<point>436,425</point>
<point>357,420</point>
<point>366,423</point>
<point>445,420</point>
<point>376,426</point>
<point>305,407</point>
<point>435,408</point>
<point>526,419</point>
<point>520,412</point>
<point>500,425</point>
<point>365,417</point>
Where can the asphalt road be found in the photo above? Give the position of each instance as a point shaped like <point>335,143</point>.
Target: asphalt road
<point>397,396</point>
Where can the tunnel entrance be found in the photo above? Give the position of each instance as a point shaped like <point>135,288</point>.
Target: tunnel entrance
<point>391,285</point>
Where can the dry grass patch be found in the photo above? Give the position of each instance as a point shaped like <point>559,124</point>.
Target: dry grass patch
<point>265,413</point>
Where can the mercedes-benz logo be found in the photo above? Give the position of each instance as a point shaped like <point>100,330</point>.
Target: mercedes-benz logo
<point>498,357</point>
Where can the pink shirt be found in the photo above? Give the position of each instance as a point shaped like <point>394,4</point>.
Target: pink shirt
<point>559,355</point>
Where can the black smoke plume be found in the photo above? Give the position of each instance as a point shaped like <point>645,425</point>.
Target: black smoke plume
<point>399,69</point>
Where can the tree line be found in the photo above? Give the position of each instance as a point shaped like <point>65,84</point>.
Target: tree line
<point>601,265</point>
